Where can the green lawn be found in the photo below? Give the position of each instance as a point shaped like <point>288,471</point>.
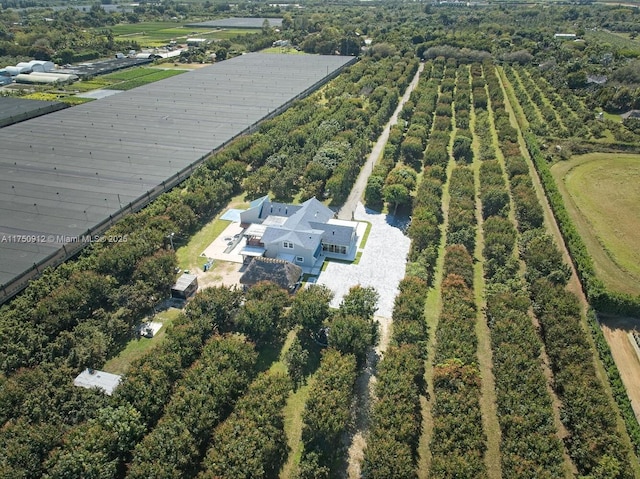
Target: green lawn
<point>365,237</point>
<point>136,348</point>
<point>155,76</point>
<point>189,254</point>
<point>129,74</point>
<point>602,196</point>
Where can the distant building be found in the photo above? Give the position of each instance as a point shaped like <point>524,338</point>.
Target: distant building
<point>92,378</point>
<point>185,287</point>
<point>597,79</point>
<point>631,114</point>
<point>5,77</point>
<point>565,36</point>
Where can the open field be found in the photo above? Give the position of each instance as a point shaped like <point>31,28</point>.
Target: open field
<point>616,39</point>
<point>153,76</point>
<point>154,34</point>
<point>601,193</point>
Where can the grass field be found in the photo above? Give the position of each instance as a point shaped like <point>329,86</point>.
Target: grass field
<point>153,76</point>
<point>136,348</point>
<point>615,39</point>
<point>602,195</point>
<point>155,34</point>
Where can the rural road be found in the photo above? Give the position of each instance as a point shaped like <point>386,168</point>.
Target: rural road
<point>356,442</point>
<point>349,207</point>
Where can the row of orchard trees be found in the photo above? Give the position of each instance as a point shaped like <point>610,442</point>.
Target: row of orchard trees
<point>319,150</point>
<point>395,421</point>
<point>530,445</point>
<point>393,179</point>
<point>196,405</point>
<point>594,443</point>
<point>458,441</point>
<point>427,217</point>
<point>327,413</point>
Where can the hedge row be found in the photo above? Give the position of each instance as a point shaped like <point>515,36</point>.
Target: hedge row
<point>462,220</point>
<point>458,442</point>
<point>529,444</point>
<point>327,414</point>
<point>426,219</point>
<point>396,416</point>
<point>483,128</point>
<point>203,398</point>
<point>493,191</point>
<point>251,443</point>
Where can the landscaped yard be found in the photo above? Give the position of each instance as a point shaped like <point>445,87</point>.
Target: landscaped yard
<point>602,195</point>
<point>189,255</point>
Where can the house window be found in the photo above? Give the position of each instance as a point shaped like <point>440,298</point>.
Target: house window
<point>299,259</point>
<point>332,248</point>
<point>287,244</point>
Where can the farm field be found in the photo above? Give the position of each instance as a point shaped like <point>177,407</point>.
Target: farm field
<point>601,194</point>
<point>155,34</point>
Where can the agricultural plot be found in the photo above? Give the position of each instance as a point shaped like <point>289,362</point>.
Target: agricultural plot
<point>154,76</point>
<point>150,33</point>
<point>601,193</point>
<point>156,34</point>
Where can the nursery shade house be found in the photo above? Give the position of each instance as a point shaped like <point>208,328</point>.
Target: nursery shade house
<point>67,176</point>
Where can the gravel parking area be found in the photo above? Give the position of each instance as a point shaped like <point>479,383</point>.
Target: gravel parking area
<point>382,264</point>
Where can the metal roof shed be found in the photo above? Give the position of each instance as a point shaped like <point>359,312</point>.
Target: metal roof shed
<point>92,378</point>
<point>186,286</point>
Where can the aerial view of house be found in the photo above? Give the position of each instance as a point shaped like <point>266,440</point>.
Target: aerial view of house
<point>303,234</point>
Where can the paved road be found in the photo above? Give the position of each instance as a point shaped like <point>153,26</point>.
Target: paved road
<point>349,207</point>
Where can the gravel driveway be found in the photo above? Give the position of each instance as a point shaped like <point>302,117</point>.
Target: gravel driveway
<point>382,263</point>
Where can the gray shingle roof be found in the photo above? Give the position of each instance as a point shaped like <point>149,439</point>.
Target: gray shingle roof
<point>334,234</point>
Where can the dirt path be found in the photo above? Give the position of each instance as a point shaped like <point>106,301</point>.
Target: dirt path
<point>366,380</point>
<point>349,207</point>
<point>617,331</point>
<point>364,392</point>
<point>488,399</point>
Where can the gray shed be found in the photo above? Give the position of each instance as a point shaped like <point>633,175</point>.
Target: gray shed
<point>185,287</point>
